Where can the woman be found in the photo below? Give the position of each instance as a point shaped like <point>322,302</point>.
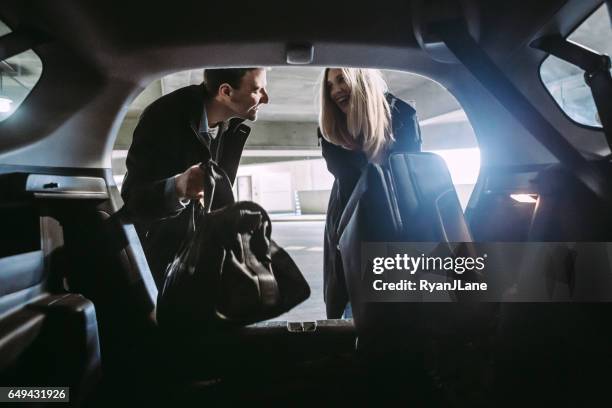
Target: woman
<point>359,123</point>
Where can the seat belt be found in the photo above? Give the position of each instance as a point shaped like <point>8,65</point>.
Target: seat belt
<point>457,38</point>
<point>596,73</point>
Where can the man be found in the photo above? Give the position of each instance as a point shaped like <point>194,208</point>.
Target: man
<point>175,134</point>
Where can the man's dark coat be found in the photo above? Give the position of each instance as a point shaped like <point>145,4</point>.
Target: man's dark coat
<point>166,143</point>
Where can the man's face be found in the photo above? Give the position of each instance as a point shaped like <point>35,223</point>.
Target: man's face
<point>246,100</point>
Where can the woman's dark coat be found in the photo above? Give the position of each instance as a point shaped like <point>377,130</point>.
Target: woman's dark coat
<point>346,166</point>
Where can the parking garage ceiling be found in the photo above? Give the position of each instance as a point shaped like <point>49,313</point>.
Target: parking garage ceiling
<point>294,93</point>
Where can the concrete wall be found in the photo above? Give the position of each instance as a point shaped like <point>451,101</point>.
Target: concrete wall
<point>313,201</point>
<point>275,179</point>
<point>310,180</point>
<point>267,135</point>
<point>303,175</point>
<point>282,135</point>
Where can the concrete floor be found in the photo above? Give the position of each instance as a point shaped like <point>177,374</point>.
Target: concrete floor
<point>304,242</point>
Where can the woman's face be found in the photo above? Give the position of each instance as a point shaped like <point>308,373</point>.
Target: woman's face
<point>338,89</point>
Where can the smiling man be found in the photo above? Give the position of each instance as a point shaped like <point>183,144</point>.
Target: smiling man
<point>174,135</point>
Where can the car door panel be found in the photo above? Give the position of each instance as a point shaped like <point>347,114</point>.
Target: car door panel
<point>47,335</point>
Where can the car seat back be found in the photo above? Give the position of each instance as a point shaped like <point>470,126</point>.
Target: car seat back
<point>427,202</point>
<point>409,199</point>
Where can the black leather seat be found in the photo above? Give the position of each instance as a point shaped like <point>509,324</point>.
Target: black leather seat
<point>427,202</point>
<point>409,199</point>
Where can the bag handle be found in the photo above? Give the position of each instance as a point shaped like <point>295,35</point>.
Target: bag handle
<point>209,185</point>
<point>215,181</point>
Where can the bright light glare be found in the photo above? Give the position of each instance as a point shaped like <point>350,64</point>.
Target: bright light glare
<point>463,164</point>
<point>5,105</point>
<point>524,198</point>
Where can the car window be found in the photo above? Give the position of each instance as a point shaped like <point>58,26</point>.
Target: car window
<point>18,75</point>
<point>282,168</point>
<point>566,82</point>
<point>292,111</point>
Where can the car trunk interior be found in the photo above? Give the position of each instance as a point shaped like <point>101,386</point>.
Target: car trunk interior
<point>77,299</point>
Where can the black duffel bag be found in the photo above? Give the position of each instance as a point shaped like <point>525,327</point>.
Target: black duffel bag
<point>228,270</point>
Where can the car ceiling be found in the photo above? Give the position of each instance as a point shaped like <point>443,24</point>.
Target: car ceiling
<point>102,54</point>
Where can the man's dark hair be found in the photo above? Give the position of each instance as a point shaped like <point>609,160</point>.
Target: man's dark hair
<point>214,78</point>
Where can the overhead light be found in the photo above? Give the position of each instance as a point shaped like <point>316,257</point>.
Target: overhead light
<point>5,105</point>
<point>300,54</point>
<point>524,198</point>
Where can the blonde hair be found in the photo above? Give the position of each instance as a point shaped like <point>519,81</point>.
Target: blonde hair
<point>367,124</point>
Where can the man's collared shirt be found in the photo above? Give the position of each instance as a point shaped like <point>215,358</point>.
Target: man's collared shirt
<point>209,138</point>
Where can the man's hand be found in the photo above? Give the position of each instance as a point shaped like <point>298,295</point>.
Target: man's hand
<point>190,184</point>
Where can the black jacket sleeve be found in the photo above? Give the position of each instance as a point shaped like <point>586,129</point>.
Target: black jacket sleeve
<point>144,189</point>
